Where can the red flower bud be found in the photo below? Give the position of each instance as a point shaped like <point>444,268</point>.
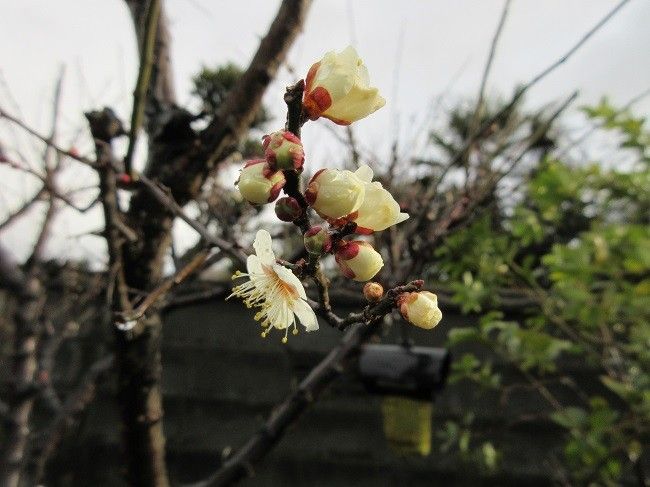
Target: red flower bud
<point>288,209</point>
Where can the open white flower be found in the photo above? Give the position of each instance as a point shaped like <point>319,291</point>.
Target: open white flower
<point>275,290</point>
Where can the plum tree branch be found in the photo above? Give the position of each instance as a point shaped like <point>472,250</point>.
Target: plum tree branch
<point>241,463</point>
<point>148,43</point>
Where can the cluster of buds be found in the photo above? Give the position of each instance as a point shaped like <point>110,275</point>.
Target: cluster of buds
<point>337,88</point>
<point>261,180</point>
<point>342,196</point>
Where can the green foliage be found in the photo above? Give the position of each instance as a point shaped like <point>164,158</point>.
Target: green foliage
<point>573,256</point>
<point>458,437</point>
<point>632,129</point>
<point>468,367</point>
<point>590,436</point>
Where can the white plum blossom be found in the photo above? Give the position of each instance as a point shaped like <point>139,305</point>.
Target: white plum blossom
<point>275,290</point>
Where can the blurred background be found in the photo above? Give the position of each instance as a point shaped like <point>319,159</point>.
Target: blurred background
<point>530,207</point>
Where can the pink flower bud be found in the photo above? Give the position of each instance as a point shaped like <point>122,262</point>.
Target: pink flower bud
<point>420,308</point>
<point>317,240</point>
<point>283,150</point>
<point>358,260</point>
<point>258,183</point>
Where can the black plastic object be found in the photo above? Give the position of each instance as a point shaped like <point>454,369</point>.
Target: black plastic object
<point>416,372</point>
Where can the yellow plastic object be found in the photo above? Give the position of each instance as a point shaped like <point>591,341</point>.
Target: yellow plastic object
<point>407,425</point>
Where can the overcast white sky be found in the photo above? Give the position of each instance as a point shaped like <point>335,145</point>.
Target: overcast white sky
<point>414,50</point>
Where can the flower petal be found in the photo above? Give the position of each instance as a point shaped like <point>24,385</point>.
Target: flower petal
<point>290,278</point>
<point>357,104</point>
<point>253,265</point>
<point>364,173</point>
<point>263,247</point>
<point>306,315</point>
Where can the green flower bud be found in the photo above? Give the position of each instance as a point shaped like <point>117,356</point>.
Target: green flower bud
<point>283,150</point>
<point>317,240</point>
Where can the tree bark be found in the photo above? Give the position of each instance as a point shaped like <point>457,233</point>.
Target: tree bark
<point>180,160</point>
<point>27,320</point>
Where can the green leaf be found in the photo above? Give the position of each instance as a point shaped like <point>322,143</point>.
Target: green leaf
<point>461,335</point>
<point>570,417</point>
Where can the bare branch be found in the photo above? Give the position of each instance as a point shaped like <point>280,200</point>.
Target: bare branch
<point>75,403</point>
<point>24,208</point>
<point>165,198</point>
<point>45,140</point>
<point>160,91</point>
<point>144,74</point>
<point>488,66</point>
<point>169,283</point>
<point>241,464</point>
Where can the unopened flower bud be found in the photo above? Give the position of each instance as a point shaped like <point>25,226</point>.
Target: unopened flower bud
<point>373,291</point>
<point>335,193</point>
<point>338,87</point>
<point>358,260</point>
<point>317,240</point>
<point>379,209</point>
<point>420,308</point>
<point>258,183</point>
<point>288,209</point>
<point>283,150</point>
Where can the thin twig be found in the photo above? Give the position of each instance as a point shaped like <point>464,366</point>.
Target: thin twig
<point>45,140</point>
<point>160,291</point>
<point>144,75</point>
<point>165,198</point>
<point>488,66</point>
<point>24,208</point>
<point>522,90</point>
